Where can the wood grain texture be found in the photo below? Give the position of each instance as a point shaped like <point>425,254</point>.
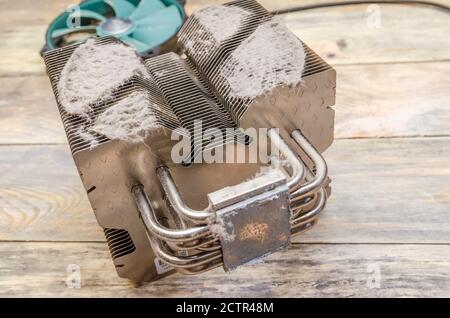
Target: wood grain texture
<point>28,111</point>
<point>42,198</point>
<point>387,191</point>
<point>391,197</point>
<point>40,270</point>
<point>384,191</point>
<point>383,100</point>
<point>393,100</point>
<point>346,35</point>
<point>401,36</point>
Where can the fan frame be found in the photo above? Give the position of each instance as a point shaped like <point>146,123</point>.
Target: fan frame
<point>61,22</point>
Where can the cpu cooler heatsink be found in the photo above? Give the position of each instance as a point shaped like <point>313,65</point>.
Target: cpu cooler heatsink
<point>162,217</point>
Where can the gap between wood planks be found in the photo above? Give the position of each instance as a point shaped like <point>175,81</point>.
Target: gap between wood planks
<point>336,138</point>
<point>292,243</point>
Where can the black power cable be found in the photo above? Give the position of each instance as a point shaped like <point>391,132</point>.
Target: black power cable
<point>347,3</point>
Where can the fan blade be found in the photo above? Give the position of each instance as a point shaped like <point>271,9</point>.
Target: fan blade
<point>60,32</point>
<point>122,8</point>
<point>147,7</point>
<point>140,47</point>
<point>89,14</point>
<point>154,36</point>
<point>168,15</point>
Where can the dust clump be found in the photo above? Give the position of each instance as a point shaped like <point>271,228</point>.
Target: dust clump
<point>271,56</point>
<point>85,135</point>
<point>130,119</point>
<point>221,21</point>
<point>93,72</point>
<point>219,228</point>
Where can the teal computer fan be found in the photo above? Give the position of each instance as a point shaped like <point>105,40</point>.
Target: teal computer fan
<point>144,24</point>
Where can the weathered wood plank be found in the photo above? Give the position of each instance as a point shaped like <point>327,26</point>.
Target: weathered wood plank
<point>28,111</point>
<point>19,10</point>
<point>372,101</point>
<point>349,35</point>
<point>393,100</point>
<point>389,191</point>
<point>401,36</point>
<point>40,270</point>
<point>42,198</point>
<point>16,12</point>
<point>274,5</point>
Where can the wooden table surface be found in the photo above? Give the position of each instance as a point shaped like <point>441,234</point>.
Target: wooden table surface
<point>386,229</point>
